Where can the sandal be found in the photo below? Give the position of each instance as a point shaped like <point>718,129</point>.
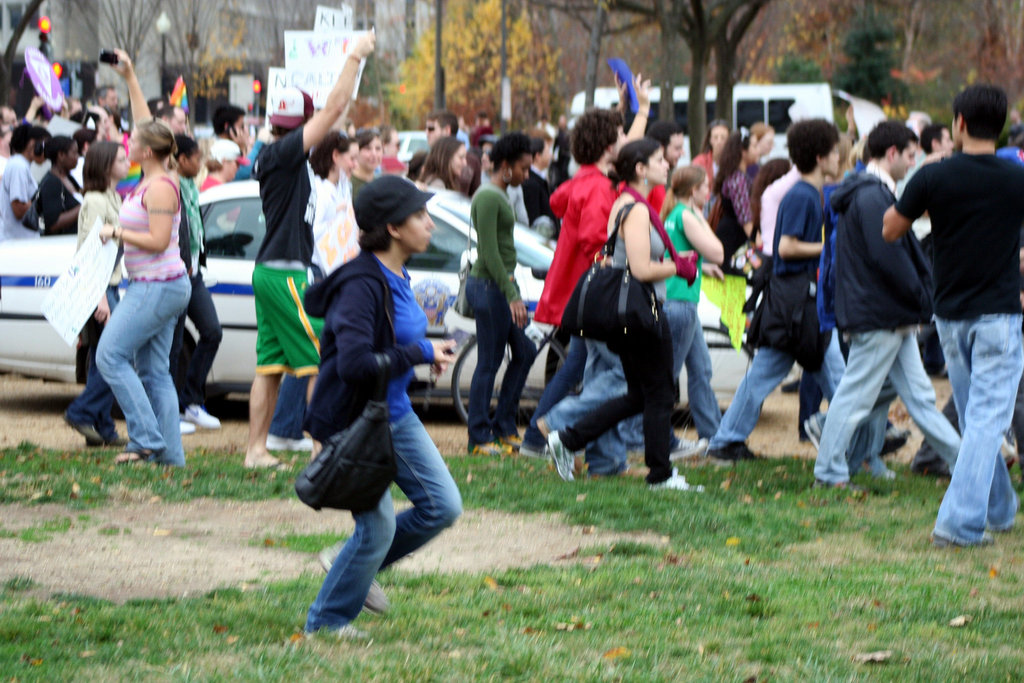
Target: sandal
<point>265,462</point>
<point>128,457</point>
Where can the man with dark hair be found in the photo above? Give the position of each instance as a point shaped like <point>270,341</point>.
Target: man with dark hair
<point>287,340</point>
<point>229,124</point>
<point>173,115</point>
<point>977,207</point>
<point>813,147</point>
<point>441,123</point>
<point>536,196</point>
<point>670,135</point>
<point>107,98</point>
<point>936,142</point>
<point>18,187</point>
<point>883,292</point>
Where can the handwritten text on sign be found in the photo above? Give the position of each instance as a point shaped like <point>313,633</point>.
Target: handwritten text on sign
<point>328,19</point>
<point>314,60</point>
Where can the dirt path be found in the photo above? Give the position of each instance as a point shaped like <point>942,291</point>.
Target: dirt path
<point>176,550</point>
<point>131,550</point>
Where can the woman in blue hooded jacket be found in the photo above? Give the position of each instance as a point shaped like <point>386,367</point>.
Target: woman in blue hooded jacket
<point>368,308</point>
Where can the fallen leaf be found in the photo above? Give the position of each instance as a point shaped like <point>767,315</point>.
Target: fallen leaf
<point>37,662</point>
<point>96,480</point>
<point>491,583</point>
<point>219,628</point>
<point>581,497</point>
<point>469,478</point>
<point>529,630</point>
<point>973,593</point>
<point>569,555</point>
<point>993,572</point>
<point>587,530</point>
<point>732,540</point>
<point>269,542</point>
<point>873,657</point>
<point>155,499</point>
<point>961,620</point>
<point>754,597</point>
<point>231,640</point>
<point>76,490</point>
<point>778,494</point>
<point>87,653</point>
<point>725,484</point>
<point>616,653</point>
<point>161,532</point>
<point>296,637</point>
<point>747,498</point>
<point>813,625</point>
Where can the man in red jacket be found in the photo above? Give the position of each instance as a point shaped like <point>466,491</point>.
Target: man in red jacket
<point>583,205</point>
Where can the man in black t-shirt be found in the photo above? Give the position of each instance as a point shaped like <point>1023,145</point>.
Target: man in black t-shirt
<point>287,340</point>
<point>976,204</point>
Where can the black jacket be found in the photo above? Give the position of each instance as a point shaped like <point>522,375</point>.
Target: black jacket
<point>879,285</point>
<point>355,302</point>
<point>537,198</point>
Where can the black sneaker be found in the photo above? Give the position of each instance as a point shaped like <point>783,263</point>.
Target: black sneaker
<point>92,437</point>
<point>732,452</point>
<point>895,438</point>
<point>936,467</point>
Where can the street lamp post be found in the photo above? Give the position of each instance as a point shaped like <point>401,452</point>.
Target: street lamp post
<point>163,25</point>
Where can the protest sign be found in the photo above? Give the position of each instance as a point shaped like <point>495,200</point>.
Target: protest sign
<point>73,298</point>
<point>314,60</point>
<point>329,20</point>
<point>729,295</point>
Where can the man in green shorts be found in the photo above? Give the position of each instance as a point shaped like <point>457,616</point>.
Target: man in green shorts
<point>287,339</point>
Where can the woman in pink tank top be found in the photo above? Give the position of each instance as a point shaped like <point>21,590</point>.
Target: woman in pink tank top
<point>141,328</point>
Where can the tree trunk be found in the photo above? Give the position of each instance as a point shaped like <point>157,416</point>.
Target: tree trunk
<point>671,66</point>
<point>12,50</point>
<point>695,110</point>
<point>594,53</point>
<point>725,69</point>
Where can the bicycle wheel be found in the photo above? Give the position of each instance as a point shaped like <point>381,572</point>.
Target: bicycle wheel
<point>547,362</point>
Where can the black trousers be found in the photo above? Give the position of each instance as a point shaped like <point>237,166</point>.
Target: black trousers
<point>647,365</point>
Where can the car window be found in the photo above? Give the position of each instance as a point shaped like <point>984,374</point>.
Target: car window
<point>445,251</point>
<point>234,227</point>
<point>749,112</point>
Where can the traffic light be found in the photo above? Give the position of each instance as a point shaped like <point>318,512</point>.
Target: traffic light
<point>257,87</point>
<point>58,69</point>
<point>44,37</point>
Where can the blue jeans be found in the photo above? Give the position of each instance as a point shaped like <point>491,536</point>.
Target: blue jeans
<point>290,410</point>
<point>495,330</point>
<point>192,387</point>
<point>141,330</point>
<point>874,356</point>
<point>984,360</point>
<point>568,376</point>
<point>689,347</point>
<point>603,379</point>
<point>94,404</point>
<point>380,538</point>
<point>768,369</point>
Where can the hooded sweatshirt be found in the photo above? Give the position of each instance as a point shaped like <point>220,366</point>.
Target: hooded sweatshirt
<point>879,285</point>
<point>358,309</point>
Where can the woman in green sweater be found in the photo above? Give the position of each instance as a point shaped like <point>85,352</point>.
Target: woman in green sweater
<point>494,295</point>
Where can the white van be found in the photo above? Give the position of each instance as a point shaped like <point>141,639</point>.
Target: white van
<point>778,105</point>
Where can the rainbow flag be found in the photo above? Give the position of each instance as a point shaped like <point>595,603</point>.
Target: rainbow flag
<point>179,96</point>
<point>134,174</point>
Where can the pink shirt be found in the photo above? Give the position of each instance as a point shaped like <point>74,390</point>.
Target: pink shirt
<point>140,263</point>
<point>770,201</point>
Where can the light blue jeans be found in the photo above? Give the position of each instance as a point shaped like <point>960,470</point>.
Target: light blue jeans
<point>140,331</point>
<point>768,369</point>
<point>380,538</point>
<point>984,360</point>
<point>689,346</point>
<point>603,379</point>
<point>874,356</point>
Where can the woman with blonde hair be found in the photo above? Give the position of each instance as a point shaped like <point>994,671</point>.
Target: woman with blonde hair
<point>141,328</point>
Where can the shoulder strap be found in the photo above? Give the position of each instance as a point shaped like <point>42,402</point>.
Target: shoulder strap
<point>609,245</point>
<point>655,220</point>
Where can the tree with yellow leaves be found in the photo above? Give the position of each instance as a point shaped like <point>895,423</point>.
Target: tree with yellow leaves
<point>471,55</point>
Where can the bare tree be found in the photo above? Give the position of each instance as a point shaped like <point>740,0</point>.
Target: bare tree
<point>12,47</point>
<point>127,24</point>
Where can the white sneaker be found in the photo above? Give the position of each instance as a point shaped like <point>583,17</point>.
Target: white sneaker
<point>676,482</point>
<point>561,455</point>
<point>688,449</point>
<point>197,415</point>
<point>279,443</point>
<point>186,427</point>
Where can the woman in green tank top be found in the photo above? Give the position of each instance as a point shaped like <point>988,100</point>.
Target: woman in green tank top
<point>687,228</point>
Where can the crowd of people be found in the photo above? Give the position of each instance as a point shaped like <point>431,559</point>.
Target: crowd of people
<point>849,247</point>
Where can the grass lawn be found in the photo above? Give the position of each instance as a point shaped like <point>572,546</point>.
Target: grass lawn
<point>762,579</point>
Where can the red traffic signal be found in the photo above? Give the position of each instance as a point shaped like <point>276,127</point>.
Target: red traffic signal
<point>58,69</point>
<point>257,87</point>
<point>44,24</point>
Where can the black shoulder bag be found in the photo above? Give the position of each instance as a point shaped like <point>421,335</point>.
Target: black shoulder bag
<point>608,302</point>
<point>357,464</point>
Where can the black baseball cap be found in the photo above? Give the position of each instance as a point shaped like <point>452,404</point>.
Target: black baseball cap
<point>389,199</point>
